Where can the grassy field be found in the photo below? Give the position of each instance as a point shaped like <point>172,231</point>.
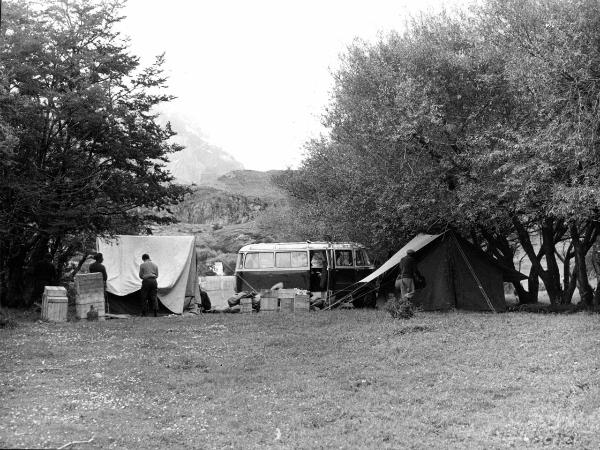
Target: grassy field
<point>340,379</point>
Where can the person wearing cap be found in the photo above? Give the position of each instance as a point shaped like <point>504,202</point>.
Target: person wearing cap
<point>149,292</point>
<point>405,282</point>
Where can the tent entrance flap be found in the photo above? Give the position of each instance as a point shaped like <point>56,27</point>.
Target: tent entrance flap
<point>176,260</point>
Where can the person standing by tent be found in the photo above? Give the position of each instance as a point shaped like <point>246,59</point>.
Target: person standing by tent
<point>405,282</point>
<point>98,267</point>
<point>149,292</point>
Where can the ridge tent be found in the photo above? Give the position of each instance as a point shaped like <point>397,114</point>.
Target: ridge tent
<point>176,260</point>
<point>458,274</point>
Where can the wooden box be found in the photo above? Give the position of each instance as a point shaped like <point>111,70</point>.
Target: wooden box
<point>301,303</point>
<point>246,305</point>
<point>90,292</point>
<point>55,304</point>
<point>269,302</point>
<point>286,304</point>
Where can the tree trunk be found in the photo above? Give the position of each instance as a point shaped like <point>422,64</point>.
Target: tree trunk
<point>523,295</point>
<point>533,285</point>
<point>500,248</point>
<point>14,276</point>
<point>569,280</point>
<point>536,268</point>
<point>585,290</point>
<point>551,276</point>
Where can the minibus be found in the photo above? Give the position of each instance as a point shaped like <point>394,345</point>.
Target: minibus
<point>328,268</point>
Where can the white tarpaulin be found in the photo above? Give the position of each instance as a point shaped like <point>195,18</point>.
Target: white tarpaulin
<point>416,243</point>
<point>175,257</point>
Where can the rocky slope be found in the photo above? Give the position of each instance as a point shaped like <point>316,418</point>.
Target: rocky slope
<point>221,215</point>
<point>208,205</point>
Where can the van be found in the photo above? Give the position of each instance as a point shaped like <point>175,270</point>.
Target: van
<point>328,268</point>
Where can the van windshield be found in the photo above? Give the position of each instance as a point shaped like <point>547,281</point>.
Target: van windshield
<point>362,259</point>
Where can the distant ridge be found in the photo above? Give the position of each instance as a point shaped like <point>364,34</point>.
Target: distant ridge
<point>251,183</point>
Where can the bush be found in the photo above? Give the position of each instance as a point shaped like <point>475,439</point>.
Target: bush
<point>6,321</point>
<point>399,309</point>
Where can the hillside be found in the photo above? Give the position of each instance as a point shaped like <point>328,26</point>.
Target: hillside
<point>251,183</point>
<point>208,205</point>
<point>222,213</point>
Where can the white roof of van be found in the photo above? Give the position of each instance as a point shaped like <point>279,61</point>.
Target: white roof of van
<point>271,246</point>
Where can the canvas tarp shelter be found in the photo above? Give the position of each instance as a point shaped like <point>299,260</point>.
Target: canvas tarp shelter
<point>176,260</point>
<point>458,274</point>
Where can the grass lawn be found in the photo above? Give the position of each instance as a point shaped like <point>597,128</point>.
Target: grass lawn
<point>339,379</point>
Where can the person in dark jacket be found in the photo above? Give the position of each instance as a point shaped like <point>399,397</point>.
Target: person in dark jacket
<point>98,267</point>
<point>405,282</point>
<point>149,292</point>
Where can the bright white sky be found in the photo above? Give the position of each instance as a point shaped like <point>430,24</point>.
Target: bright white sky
<point>255,75</point>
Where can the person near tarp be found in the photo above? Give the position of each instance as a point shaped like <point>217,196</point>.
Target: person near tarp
<point>98,267</point>
<point>408,271</point>
<point>149,292</point>
<point>44,274</point>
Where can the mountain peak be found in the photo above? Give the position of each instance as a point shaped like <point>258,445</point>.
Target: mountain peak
<point>199,162</point>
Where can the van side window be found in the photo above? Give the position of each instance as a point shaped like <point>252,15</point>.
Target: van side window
<point>291,259</point>
<point>240,259</point>
<point>343,258</point>
<point>299,259</point>
<point>283,259</point>
<point>266,260</point>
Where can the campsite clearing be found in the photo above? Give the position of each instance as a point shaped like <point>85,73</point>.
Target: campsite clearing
<point>343,379</point>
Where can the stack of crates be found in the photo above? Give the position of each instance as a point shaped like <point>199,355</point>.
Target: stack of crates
<point>90,292</point>
<point>55,304</point>
<point>284,300</point>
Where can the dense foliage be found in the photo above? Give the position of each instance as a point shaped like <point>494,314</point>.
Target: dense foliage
<point>80,149</point>
<point>486,122</point>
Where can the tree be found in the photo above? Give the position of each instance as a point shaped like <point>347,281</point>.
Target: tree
<point>84,153</point>
<point>486,122</point>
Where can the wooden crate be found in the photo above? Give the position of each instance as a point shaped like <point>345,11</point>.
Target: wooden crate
<point>286,299</point>
<point>286,304</point>
<point>89,288</point>
<point>269,302</point>
<point>285,293</point>
<point>301,303</point>
<point>55,304</point>
<point>246,305</point>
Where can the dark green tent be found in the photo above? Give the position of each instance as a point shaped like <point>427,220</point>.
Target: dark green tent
<point>458,274</point>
